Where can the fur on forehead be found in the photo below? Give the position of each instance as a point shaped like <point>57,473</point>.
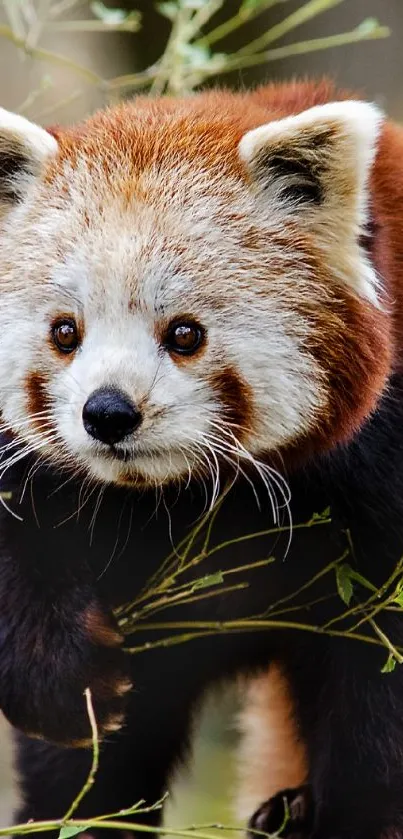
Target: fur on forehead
<point>312,168</point>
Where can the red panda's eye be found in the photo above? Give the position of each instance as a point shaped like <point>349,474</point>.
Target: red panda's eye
<point>65,335</point>
<point>184,338</point>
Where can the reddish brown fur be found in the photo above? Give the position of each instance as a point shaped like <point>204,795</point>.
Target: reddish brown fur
<point>353,344</point>
<point>387,198</point>
<point>38,400</point>
<point>205,130</point>
<point>272,752</point>
<point>236,396</point>
<point>99,630</point>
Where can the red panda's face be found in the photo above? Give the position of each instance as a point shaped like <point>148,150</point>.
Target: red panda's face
<point>172,299</point>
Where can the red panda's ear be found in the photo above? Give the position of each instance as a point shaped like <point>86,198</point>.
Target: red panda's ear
<point>24,148</point>
<point>315,167</point>
<point>319,157</point>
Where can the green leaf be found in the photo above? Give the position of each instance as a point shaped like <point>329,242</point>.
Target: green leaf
<point>358,578</point>
<point>370,24</point>
<point>67,832</point>
<point>344,582</point>
<point>169,10</point>
<point>390,664</point>
<point>398,599</point>
<point>209,580</point>
<point>321,516</point>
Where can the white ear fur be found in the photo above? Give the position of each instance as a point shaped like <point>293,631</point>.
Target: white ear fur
<point>315,166</point>
<point>24,147</point>
<point>39,141</point>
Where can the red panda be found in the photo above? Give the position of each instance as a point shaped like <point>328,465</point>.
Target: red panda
<point>190,289</point>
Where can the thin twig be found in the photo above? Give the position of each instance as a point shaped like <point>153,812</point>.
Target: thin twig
<point>51,57</point>
<point>64,6</point>
<point>301,48</point>
<point>246,625</point>
<point>302,15</point>
<point>246,537</point>
<point>95,759</point>
<point>233,23</point>
<point>34,95</point>
<point>132,24</point>
<point>131,81</point>
<point>131,827</point>
<point>386,641</point>
<point>14,16</point>
<point>35,30</point>
<point>44,113</point>
<point>202,16</point>
<point>373,598</point>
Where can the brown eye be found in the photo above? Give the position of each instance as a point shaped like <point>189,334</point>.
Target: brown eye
<point>65,335</point>
<point>184,338</point>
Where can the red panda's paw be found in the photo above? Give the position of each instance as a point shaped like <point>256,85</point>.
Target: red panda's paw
<point>288,814</point>
<point>46,697</point>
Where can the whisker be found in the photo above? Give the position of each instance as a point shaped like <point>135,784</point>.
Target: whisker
<point>222,440</point>
<point>115,546</point>
<point>95,513</point>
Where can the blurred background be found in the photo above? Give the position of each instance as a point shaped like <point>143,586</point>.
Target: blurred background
<point>61,59</point>
<point>78,47</point>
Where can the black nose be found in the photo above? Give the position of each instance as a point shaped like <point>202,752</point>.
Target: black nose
<point>109,416</point>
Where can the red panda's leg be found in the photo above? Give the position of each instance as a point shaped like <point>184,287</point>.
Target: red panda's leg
<point>135,763</point>
<point>289,814</point>
<point>50,778</point>
<point>272,755</point>
<point>351,716</point>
